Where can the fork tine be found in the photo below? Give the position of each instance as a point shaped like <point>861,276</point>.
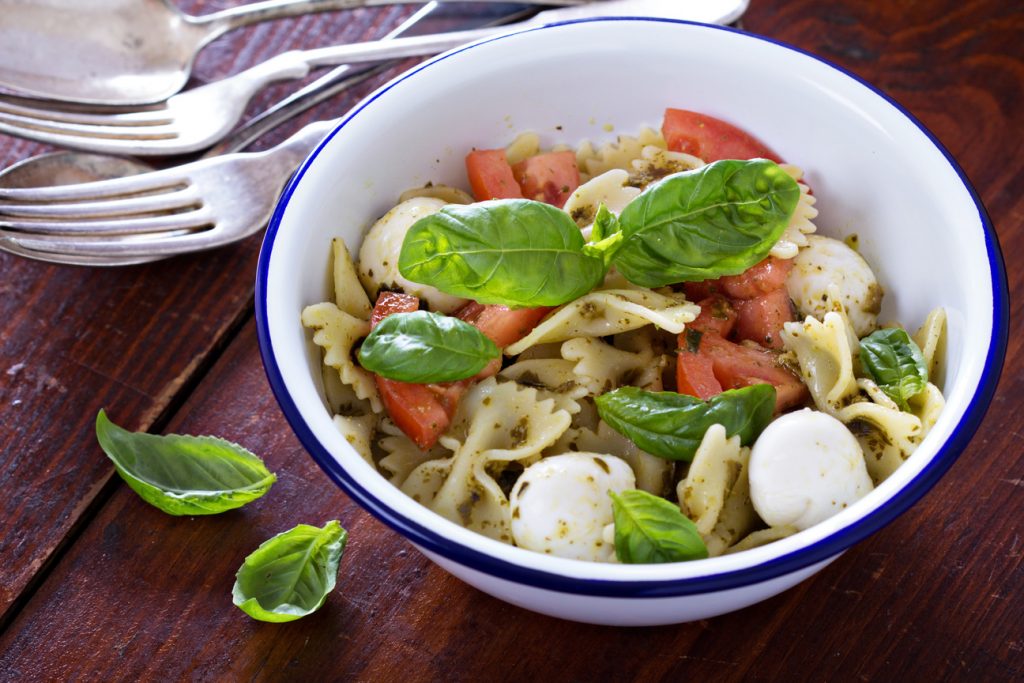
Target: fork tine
<point>114,117</point>
<point>53,230</point>
<point>175,200</point>
<point>126,249</point>
<point>59,132</point>
<point>156,181</point>
<point>14,247</point>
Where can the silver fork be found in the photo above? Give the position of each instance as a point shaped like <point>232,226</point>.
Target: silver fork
<point>195,119</point>
<point>155,215</point>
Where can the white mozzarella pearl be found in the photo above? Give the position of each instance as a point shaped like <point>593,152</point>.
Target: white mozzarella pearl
<point>561,506</point>
<point>378,255</point>
<point>805,467</point>
<point>825,261</point>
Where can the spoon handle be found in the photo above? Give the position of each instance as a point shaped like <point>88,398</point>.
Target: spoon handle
<point>221,22</point>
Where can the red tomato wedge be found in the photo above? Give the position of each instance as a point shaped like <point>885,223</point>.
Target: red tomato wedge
<point>415,408</point>
<point>501,324</point>
<point>763,277</point>
<point>716,315</point>
<point>709,138</point>
<point>695,375</point>
<point>550,177</point>
<point>392,302</point>
<point>490,175</point>
<point>738,365</point>
<point>761,318</point>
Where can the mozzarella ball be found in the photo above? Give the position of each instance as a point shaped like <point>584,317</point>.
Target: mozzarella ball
<point>825,261</point>
<point>378,256</point>
<point>805,467</point>
<point>561,506</point>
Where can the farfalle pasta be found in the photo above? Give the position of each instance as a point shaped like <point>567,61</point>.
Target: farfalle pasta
<point>631,351</point>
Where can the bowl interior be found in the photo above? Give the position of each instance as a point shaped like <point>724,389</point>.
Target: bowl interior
<point>874,171</point>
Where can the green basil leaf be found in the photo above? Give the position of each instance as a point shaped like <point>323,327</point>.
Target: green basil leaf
<point>513,252</point>
<point>424,347</point>
<point>290,575</point>
<point>606,224</point>
<point>895,363</point>
<point>650,530</point>
<point>716,220</point>
<point>671,425</point>
<point>184,475</point>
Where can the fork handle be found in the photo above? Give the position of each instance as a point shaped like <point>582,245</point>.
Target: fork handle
<point>221,22</point>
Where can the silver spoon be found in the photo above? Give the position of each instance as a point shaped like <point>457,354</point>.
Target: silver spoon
<point>125,51</point>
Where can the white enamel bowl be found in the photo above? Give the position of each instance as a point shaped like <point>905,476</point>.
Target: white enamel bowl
<point>875,171</point>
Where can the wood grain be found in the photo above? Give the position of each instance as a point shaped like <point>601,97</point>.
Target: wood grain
<point>73,340</point>
<point>135,594</point>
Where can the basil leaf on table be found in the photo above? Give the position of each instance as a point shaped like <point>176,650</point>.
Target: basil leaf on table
<point>895,363</point>
<point>513,252</point>
<point>671,425</point>
<point>650,530</point>
<point>716,220</point>
<point>424,347</point>
<point>184,475</point>
<point>290,575</point>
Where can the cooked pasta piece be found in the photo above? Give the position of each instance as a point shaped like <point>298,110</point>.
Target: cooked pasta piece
<point>605,312</point>
<point>619,154</point>
<point>601,367</point>
<point>930,339</point>
<point>656,162</point>
<point>713,473</point>
<point>402,455</point>
<point>358,431</point>
<point>336,333</point>
<point>800,223</point>
<point>349,294</point>
<point>823,352</point>
<point>611,188</point>
<point>762,537</point>
<point>523,147</point>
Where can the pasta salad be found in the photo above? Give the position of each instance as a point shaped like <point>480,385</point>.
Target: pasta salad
<point>638,352</point>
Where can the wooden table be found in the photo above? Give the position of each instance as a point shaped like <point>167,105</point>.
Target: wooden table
<point>97,585</point>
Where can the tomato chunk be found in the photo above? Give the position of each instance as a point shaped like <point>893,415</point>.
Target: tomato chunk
<point>392,302</point>
<point>761,318</point>
<point>695,375</point>
<point>549,177</point>
<point>716,315</point>
<point>709,138</point>
<point>490,175</point>
<point>763,277</point>
<point>739,365</point>
<point>415,408</point>
<point>503,325</point>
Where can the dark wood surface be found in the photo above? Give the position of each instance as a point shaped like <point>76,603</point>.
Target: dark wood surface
<point>97,585</point>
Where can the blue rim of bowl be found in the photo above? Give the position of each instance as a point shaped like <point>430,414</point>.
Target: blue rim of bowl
<point>780,566</point>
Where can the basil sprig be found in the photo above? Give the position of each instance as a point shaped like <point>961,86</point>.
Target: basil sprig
<point>650,530</point>
<point>716,220</point>
<point>290,575</point>
<point>514,252</point>
<point>671,425</point>
<point>424,347</point>
<point>184,475</point>
<point>895,363</point>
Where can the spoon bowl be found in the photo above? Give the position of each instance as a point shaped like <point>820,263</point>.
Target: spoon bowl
<point>121,51</point>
